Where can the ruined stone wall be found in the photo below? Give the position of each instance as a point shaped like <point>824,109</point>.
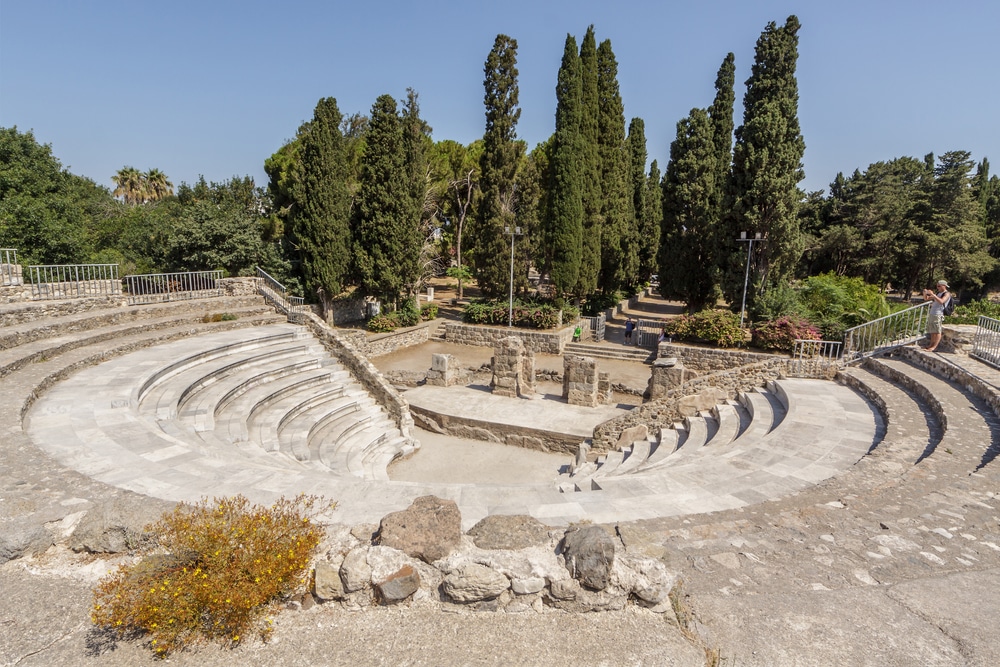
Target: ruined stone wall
<point>543,342</point>
<point>379,344</point>
<point>706,359</point>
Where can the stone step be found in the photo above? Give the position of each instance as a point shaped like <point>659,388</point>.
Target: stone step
<point>235,416</point>
<point>601,351</point>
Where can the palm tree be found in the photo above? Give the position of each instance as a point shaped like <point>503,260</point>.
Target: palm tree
<point>129,185</point>
<point>156,185</point>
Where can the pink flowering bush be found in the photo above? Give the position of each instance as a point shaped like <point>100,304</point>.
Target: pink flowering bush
<point>781,333</point>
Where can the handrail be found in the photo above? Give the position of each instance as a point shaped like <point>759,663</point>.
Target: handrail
<point>885,333</point>
<point>64,281</point>
<point>814,358</point>
<point>276,294</point>
<point>161,287</point>
<point>986,344</point>
<point>10,270</point>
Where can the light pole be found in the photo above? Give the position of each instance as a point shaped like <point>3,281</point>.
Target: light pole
<point>513,231</point>
<point>746,278</point>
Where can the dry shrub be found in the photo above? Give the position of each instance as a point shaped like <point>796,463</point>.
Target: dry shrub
<point>218,571</point>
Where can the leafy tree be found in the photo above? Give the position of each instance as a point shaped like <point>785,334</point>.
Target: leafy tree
<point>455,172</point>
<point>498,167</point>
<point>385,227</point>
<point>690,215</point>
<point>319,204</point>
<point>767,163</point>
<point>647,218</point>
<point>157,185</point>
<point>46,213</point>
<point>565,233</point>
<point>619,237</point>
<point>589,157</point>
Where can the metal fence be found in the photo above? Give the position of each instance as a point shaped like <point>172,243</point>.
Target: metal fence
<point>10,270</point>
<point>595,326</point>
<point>70,281</point>
<point>814,358</point>
<point>986,344</point>
<point>276,294</point>
<point>647,332</point>
<point>902,328</point>
<point>161,287</point>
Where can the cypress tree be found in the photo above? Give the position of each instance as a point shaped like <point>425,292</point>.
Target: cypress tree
<point>565,237</point>
<point>647,218</point>
<point>498,168</point>
<point>767,163</point>
<point>619,236</point>
<point>384,222</point>
<point>653,214</point>
<point>320,222</point>
<point>416,139</point>
<point>687,262</point>
<point>721,115</point>
<point>590,166</point>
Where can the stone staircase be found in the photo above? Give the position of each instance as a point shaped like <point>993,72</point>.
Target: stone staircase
<point>611,351</point>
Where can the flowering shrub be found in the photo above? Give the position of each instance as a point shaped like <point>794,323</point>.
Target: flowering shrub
<point>219,568</point>
<point>382,324</point>
<point>429,311</point>
<point>781,333</point>
<point>719,327</point>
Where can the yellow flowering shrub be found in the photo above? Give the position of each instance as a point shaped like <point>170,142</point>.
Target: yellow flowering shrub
<point>219,568</point>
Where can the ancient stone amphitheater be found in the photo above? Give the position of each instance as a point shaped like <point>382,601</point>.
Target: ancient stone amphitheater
<point>812,521</point>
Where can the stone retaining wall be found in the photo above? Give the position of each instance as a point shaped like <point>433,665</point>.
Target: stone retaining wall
<point>380,344</point>
<point>663,412</point>
<point>363,371</point>
<point>29,312</point>
<point>539,342</point>
<point>707,359</point>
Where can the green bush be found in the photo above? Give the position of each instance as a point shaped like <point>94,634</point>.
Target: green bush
<point>778,301</point>
<point>969,313</point>
<point>525,315</point>
<point>718,327</point>
<point>429,311</point>
<point>849,300</point>
<point>408,315</point>
<point>781,333</point>
<point>382,324</point>
<point>216,571</point>
<point>595,304</point>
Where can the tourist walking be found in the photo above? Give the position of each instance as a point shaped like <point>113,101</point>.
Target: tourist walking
<point>935,318</point>
<point>629,327</point>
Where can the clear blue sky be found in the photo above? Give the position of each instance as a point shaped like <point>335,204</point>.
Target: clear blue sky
<point>215,87</point>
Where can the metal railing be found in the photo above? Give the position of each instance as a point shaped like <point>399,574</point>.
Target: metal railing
<point>276,294</point>
<point>902,328</point>
<point>814,358</point>
<point>647,333</point>
<point>596,325</point>
<point>70,281</point>
<point>161,287</point>
<point>10,270</point>
<point>986,344</point>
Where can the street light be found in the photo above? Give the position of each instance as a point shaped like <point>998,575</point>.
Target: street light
<point>515,231</point>
<point>746,278</point>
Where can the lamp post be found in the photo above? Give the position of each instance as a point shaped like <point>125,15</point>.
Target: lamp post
<point>513,231</point>
<point>746,278</point>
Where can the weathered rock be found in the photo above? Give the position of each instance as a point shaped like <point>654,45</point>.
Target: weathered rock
<point>590,554</point>
<point>527,586</point>
<point>18,539</point>
<point>590,601</point>
<point>117,525</point>
<point>429,529</point>
<point>630,435</point>
<point>498,531</point>
<point>399,585</point>
<point>327,583</point>
<point>355,572</point>
<point>565,589</point>
<point>473,582</point>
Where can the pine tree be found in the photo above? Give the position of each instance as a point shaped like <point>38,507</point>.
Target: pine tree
<point>619,235</point>
<point>565,235</point>
<point>687,254</point>
<point>647,218</point>
<point>384,225</point>
<point>767,163</point>
<point>320,221</point>
<point>591,193</point>
<point>498,168</point>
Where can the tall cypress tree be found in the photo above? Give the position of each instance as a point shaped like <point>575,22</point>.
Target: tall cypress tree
<point>687,262</point>
<point>767,163</point>
<point>653,212</point>
<point>320,221</point>
<point>590,166</point>
<point>565,236</point>
<point>647,218</point>
<point>721,115</point>
<point>619,236</point>
<point>384,224</point>
<point>498,168</point>
<point>416,139</point>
